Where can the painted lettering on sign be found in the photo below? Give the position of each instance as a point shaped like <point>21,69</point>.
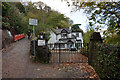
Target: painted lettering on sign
<point>41,42</point>
<point>33,21</point>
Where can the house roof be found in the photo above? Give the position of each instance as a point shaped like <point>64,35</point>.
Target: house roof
<point>61,42</point>
<point>66,41</point>
<point>71,41</point>
<point>78,39</point>
<point>58,31</point>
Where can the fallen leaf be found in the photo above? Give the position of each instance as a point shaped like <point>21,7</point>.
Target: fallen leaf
<point>59,69</point>
<point>54,74</point>
<point>65,70</point>
<point>37,69</point>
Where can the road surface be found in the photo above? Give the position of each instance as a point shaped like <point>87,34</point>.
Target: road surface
<point>16,63</point>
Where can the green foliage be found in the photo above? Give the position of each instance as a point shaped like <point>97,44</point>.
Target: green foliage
<point>47,18</point>
<point>13,18</point>
<point>84,50</point>
<point>106,13</point>
<point>20,7</point>
<point>41,55</point>
<point>113,39</point>
<point>108,65</point>
<point>16,15</point>
<point>76,28</point>
<point>100,15</point>
<point>5,8</point>
<point>87,35</point>
<point>6,24</point>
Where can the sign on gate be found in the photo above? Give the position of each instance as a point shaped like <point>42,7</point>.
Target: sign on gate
<point>41,39</point>
<point>41,42</point>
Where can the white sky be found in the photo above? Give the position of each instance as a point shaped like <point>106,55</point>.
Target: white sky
<point>78,17</point>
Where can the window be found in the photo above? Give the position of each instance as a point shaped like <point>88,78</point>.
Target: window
<point>64,35</point>
<point>51,45</point>
<point>56,46</point>
<point>77,34</point>
<point>62,46</point>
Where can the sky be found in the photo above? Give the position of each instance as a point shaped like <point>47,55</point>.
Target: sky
<point>78,17</point>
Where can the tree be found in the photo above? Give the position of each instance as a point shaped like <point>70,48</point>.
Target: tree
<point>86,37</point>
<point>76,28</point>
<point>106,13</point>
<point>20,7</point>
<point>13,18</point>
<point>16,16</point>
<point>102,14</point>
<point>47,18</point>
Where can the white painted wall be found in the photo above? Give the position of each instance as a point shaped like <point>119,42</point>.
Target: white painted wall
<point>80,36</point>
<point>52,38</point>
<point>69,35</point>
<point>58,37</point>
<point>73,33</point>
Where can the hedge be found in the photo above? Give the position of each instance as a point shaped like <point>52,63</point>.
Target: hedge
<point>108,61</point>
<point>41,55</point>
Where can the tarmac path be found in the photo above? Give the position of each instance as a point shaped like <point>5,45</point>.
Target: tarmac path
<point>16,63</point>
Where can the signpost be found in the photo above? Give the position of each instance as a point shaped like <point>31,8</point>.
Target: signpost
<point>33,22</point>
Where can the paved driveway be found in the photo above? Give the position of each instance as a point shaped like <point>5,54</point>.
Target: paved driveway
<point>16,63</point>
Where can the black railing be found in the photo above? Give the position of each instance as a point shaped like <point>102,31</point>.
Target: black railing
<point>81,47</point>
<point>66,52</point>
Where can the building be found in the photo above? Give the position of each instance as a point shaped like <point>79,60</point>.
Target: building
<point>66,38</point>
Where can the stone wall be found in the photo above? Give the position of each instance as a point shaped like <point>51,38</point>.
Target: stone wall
<point>0,39</point>
<point>92,52</point>
<point>6,38</point>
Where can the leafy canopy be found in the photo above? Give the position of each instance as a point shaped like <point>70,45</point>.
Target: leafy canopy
<point>13,17</point>
<point>47,17</point>
<point>101,15</point>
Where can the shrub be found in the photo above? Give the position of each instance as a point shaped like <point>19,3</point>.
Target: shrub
<point>41,55</point>
<point>108,64</point>
<point>84,50</point>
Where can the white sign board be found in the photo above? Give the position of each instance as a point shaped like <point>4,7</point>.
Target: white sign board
<point>41,42</point>
<point>33,21</point>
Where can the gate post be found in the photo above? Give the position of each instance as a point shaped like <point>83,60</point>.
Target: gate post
<point>92,51</point>
<point>46,46</point>
<point>59,52</point>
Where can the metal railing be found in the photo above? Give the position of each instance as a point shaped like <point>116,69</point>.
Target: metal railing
<point>66,52</point>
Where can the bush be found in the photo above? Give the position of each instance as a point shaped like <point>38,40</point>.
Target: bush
<point>108,64</point>
<point>41,55</point>
<point>84,50</point>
